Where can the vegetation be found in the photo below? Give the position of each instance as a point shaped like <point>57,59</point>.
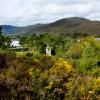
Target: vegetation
<point>70,73</point>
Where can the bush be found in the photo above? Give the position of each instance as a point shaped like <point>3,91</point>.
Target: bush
<point>58,80</point>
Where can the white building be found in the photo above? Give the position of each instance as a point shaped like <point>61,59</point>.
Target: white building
<point>15,43</point>
<point>48,50</point>
<point>98,39</point>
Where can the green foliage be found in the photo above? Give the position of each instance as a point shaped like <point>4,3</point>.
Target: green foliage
<point>75,51</point>
<point>90,53</point>
<point>59,79</point>
<point>72,74</point>
<point>94,93</point>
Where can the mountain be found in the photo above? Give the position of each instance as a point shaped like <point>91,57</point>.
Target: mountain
<point>65,25</point>
<point>28,29</point>
<point>8,29</point>
<point>70,25</point>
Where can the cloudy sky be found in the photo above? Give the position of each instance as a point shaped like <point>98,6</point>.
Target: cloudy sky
<point>28,12</point>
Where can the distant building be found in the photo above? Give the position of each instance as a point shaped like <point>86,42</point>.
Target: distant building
<point>48,50</point>
<point>15,43</point>
<point>98,39</point>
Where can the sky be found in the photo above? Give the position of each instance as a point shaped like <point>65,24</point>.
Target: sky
<point>29,12</point>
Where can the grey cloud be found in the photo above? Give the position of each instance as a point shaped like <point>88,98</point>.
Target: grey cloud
<point>27,12</point>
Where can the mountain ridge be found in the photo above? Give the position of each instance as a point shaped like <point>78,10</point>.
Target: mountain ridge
<point>65,25</point>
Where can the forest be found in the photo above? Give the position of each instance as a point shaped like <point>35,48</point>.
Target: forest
<point>70,72</point>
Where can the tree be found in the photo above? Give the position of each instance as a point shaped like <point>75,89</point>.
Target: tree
<point>90,53</point>
<point>75,51</point>
<point>2,39</point>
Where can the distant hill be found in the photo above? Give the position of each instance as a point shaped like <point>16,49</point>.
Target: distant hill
<point>65,25</point>
<point>8,29</point>
<point>70,25</point>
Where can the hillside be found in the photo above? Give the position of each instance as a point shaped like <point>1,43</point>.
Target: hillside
<point>65,25</point>
<point>8,29</point>
<point>70,25</point>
